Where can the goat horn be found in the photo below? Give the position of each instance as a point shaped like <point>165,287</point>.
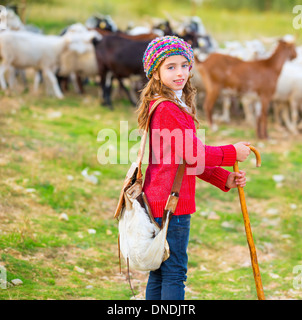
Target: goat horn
<point>289,38</point>
<point>268,40</point>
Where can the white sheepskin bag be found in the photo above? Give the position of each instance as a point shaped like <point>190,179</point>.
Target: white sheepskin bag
<point>142,242</point>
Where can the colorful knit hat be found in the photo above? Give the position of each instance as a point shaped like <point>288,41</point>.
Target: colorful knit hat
<point>162,48</point>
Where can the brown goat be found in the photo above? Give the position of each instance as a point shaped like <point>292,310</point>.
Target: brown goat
<point>259,76</point>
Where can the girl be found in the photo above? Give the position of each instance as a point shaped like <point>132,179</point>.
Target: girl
<point>167,64</point>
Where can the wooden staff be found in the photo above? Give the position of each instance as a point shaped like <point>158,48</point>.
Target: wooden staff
<point>248,230</point>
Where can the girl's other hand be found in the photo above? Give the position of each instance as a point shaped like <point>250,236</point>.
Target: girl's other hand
<point>242,150</point>
<point>236,179</point>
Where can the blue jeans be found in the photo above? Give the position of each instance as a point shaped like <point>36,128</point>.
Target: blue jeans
<point>167,282</point>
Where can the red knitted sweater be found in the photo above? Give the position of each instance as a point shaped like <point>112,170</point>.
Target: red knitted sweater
<point>160,174</point>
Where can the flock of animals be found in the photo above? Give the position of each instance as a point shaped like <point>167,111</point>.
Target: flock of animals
<point>255,75</point>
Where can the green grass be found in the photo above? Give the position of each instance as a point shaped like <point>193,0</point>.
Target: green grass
<point>40,249</point>
<point>46,143</point>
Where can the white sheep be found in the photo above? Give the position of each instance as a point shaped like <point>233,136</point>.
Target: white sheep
<point>78,58</point>
<point>23,49</point>
<point>289,94</point>
<point>13,21</point>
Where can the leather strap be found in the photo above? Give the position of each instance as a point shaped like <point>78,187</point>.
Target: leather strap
<point>172,201</point>
<point>178,178</point>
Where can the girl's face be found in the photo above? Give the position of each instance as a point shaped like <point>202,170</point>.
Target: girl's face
<point>173,72</point>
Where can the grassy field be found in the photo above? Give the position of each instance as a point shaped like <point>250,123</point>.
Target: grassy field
<point>45,144</point>
<point>221,24</point>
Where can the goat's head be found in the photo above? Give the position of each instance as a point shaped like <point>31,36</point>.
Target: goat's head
<point>288,45</point>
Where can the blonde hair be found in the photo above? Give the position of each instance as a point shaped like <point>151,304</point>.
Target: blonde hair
<point>155,88</point>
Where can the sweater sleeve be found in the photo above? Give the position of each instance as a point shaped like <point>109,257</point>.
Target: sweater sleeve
<point>192,150</point>
<point>216,176</point>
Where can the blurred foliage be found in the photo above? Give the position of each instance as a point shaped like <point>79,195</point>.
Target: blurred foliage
<point>21,2</point>
<point>142,7</point>
<point>259,5</point>
<point>18,5</point>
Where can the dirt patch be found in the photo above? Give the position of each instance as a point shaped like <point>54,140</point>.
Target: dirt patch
<point>9,105</point>
<point>231,257</point>
<point>240,256</point>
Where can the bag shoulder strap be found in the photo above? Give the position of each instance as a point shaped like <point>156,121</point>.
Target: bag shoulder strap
<point>174,195</point>
<point>136,166</point>
<point>178,177</point>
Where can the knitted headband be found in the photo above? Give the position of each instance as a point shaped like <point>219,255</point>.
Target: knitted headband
<point>162,48</point>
